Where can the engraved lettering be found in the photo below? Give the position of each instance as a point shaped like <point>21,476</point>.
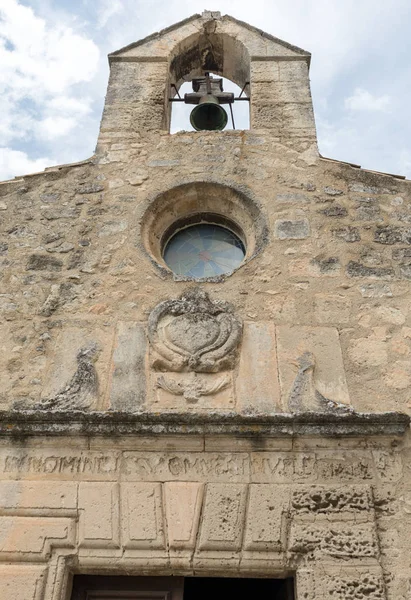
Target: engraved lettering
<point>69,464</point>
<point>185,465</point>
<point>51,464</point>
<point>93,465</point>
<point>176,466</point>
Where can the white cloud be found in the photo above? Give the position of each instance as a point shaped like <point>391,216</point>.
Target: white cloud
<point>107,9</point>
<point>66,104</point>
<point>364,100</point>
<point>41,67</point>
<point>15,162</point>
<point>51,128</point>
<point>37,59</point>
<point>61,115</point>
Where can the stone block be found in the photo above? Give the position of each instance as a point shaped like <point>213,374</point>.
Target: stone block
<point>375,290</point>
<point>348,234</point>
<point>223,517</point>
<point>353,583</point>
<point>332,308</point>
<point>368,352</point>
<point>257,386</point>
<point>363,188</point>
<point>388,465</point>
<point>112,228</point>
<point>293,70</point>
<point>321,265</point>
<point>142,516</point>
<point>46,496</point>
<point>183,505</point>
<point>335,210</point>
<point>266,522</point>
<point>264,71</point>
<point>43,262</point>
<point>61,212</point>
<point>128,382</point>
<point>99,514</point>
<point>292,198</point>
<point>390,235</point>
<point>298,116</point>
<point>325,500</point>
<point>280,92</point>
<point>22,581</point>
<point>368,213</point>
<point>405,271</point>
<point>356,269</point>
<point>401,254</point>
<point>266,116</point>
<point>297,229</point>
<point>337,540</point>
<point>332,191</point>
<point>29,536</point>
<point>325,375</point>
<point>90,187</point>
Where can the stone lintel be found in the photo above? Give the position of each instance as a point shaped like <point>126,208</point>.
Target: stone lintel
<point>280,58</point>
<point>18,424</point>
<point>139,59</point>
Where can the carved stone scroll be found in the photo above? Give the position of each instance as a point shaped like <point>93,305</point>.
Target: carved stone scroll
<point>194,389</point>
<point>193,333</point>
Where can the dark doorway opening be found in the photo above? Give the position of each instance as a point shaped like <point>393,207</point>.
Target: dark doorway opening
<point>222,588</point>
<point>87,587</point>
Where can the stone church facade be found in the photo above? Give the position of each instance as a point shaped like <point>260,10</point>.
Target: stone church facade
<point>251,424</point>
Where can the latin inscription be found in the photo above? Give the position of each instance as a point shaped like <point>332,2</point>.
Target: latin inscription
<point>71,464</point>
<point>259,467</point>
<point>196,465</point>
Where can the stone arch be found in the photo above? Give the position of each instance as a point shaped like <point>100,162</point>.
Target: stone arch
<point>215,52</point>
<point>219,53</point>
<point>232,206</point>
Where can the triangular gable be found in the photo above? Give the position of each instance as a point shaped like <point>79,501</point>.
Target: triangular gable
<point>258,43</point>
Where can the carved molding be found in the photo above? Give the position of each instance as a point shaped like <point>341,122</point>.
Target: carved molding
<point>193,333</point>
<point>210,525</point>
<point>194,389</point>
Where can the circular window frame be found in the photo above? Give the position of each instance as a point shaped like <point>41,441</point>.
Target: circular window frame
<point>202,202</point>
<point>204,219</point>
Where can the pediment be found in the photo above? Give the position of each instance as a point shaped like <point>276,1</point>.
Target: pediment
<point>159,46</point>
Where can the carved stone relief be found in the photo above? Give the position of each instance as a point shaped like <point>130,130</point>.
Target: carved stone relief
<point>311,370</point>
<point>193,333</point>
<point>193,389</point>
<point>304,395</point>
<point>80,392</point>
<point>196,341</point>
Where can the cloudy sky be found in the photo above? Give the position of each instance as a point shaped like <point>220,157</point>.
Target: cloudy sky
<point>54,70</point>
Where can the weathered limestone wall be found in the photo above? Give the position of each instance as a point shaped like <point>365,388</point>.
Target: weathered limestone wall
<point>98,338</point>
<point>335,513</point>
<point>331,279</point>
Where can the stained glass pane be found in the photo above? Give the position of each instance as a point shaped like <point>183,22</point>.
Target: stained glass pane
<point>204,250</point>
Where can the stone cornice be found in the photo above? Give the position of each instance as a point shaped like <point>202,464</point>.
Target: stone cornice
<point>19,424</point>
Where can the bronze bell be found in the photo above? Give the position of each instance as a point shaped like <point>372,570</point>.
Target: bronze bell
<point>208,114</point>
<point>208,95</point>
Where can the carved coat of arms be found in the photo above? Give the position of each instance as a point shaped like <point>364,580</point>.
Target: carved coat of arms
<point>194,334</point>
